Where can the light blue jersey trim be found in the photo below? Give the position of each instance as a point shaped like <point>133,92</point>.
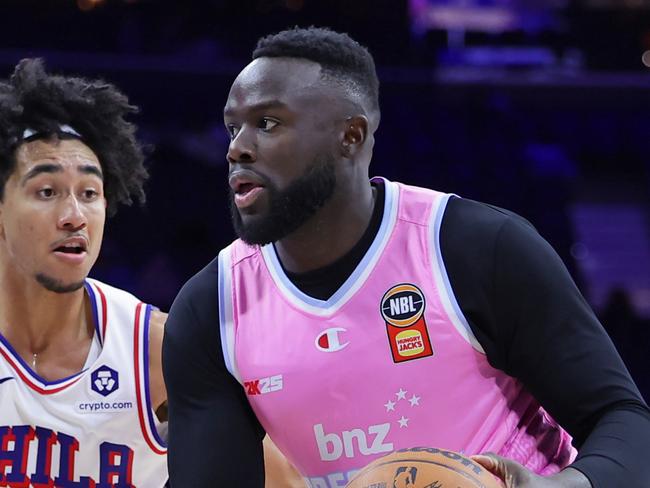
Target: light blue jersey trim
<point>226,318</point>
<point>358,276</point>
<point>444,285</point>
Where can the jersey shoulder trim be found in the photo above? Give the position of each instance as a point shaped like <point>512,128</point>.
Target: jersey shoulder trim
<point>447,297</point>
<point>226,314</point>
<point>141,362</point>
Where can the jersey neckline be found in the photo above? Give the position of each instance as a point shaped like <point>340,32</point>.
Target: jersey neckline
<point>358,277</point>
<point>34,380</point>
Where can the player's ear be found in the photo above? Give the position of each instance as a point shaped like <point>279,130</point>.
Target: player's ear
<point>354,135</point>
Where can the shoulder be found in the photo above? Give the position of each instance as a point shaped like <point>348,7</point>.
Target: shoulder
<point>199,295</point>
<point>191,352</point>
<point>102,291</point>
<point>473,233</point>
<point>466,219</point>
<point>194,316</point>
<point>157,321</point>
<point>201,286</point>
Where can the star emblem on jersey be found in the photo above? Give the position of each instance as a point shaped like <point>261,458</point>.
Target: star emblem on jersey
<point>104,380</point>
<point>400,407</point>
<point>402,307</point>
<point>362,440</point>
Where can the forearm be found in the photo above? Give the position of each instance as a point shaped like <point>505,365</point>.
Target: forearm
<point>615,452</point>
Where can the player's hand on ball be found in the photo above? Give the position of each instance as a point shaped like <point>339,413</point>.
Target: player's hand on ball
<point>514,475</point>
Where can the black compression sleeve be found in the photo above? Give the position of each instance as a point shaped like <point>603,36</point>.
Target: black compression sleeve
<point>534,324</point>
<point>214,437</point>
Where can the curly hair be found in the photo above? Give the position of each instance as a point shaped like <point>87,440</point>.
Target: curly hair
<point>34,99</point>
<point>342,58</point>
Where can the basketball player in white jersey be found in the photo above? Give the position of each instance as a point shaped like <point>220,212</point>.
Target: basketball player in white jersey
<point>80,372</point>
<point>80,361</point>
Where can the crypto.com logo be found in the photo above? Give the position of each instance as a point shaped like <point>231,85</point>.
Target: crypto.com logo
<point>105,380</point>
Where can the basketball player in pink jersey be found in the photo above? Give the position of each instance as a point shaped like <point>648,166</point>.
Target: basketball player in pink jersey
<point>358,316</point>
<point>80,366</point>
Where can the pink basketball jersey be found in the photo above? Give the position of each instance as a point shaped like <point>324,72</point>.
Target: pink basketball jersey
<point>388,362</point>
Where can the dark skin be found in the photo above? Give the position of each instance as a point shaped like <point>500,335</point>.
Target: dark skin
<point>281,116</point>
<point>278,127</point>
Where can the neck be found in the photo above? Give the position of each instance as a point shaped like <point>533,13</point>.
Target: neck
<point>332,231</point>
<point>35,320</point>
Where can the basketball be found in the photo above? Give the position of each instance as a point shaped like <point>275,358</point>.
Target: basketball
<point>424,467</point>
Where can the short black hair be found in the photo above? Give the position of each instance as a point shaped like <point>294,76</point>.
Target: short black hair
<point>341,57</point>
<point>36,100</point>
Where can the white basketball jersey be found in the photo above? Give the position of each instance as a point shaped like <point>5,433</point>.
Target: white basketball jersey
<point>95,429</point>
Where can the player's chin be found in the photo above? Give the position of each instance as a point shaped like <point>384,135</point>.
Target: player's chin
<point>61,284</point>
<point>257,210</point>
<point>255,216</point>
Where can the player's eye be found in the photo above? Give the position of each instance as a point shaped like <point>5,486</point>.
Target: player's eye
<point>46,193</point>
<point>90,194</point>
<point>232,131</point>
<point>267,124</point>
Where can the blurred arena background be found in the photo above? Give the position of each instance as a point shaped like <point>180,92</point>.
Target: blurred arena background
<point>539,106</point>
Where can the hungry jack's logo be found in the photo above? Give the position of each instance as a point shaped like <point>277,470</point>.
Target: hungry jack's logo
<point>403,310</point>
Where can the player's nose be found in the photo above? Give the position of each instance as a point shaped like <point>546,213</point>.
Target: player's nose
<point>72,216</point>
<point>242,147</point>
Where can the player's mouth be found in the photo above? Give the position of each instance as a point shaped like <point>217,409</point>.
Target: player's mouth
<point>71,249</point>
<point>246,187</point>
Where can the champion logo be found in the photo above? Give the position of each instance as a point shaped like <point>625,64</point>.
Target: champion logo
<point>330,341</point>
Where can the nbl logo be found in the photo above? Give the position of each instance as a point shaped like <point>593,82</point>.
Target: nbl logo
<point>402,305</point>
<point>105,380</point>
<point>402,308</point>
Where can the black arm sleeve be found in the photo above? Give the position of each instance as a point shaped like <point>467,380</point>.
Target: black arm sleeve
<point>214,437</point>
<point>534,324</point>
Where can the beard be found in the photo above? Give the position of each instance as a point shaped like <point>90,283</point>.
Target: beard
<point>52,284</point>
<point>289,208</point>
